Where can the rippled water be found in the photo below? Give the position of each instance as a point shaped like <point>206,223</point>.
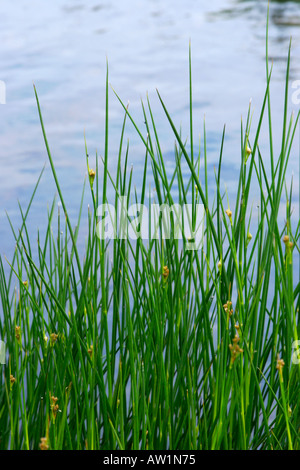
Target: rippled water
<point>62,48</point>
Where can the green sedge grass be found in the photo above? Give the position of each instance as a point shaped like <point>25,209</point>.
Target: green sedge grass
<point>146,345</point>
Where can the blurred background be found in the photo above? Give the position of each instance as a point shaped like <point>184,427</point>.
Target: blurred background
<point>62,47</point>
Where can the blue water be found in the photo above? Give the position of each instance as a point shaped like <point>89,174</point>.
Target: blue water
<point>62,48</point>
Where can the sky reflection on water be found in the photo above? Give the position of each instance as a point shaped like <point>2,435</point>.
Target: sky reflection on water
<point>63,48</point>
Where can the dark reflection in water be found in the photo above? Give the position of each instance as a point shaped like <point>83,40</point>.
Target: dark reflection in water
<point>284,23</point>
<point>282,13</point>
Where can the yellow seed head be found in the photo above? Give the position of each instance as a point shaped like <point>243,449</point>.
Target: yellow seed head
<point>44,443</point>
<point>54,406</point>
<point>92,175</point>
<point>286,239</point>
<point>235,349</point>
<point>12,379</point>
<point>90,350</point>
<point>280,364</point>
<point>166,272</point>
<point>279,367</point>
<point>18,332</point>
<point>227,308</point>
<point>53,338</point>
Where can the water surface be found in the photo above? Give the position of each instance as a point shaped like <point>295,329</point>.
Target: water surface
<point>62,47</point>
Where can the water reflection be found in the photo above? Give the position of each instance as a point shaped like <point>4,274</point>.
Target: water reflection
<point>284,13</point>
<point>63,50</point>
<point>284,22</point>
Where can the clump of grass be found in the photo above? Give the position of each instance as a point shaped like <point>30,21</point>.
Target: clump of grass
<point>134,345</point>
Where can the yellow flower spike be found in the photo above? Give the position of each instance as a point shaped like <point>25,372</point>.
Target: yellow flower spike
<point>165,275</point>
<point>92,175</point>
<point>12,380</point>
<point>220,265</point>
<point>286,240</point>
<point>249,238</point>
<point>43,445</point>
<point>90,351</point>
<point>289,247</point>
<point>166,272</point>
<point>227,308</point>
<point>54,406</point>
<point>235,349</point>
<point>248,153</point>
<point>229,213</point>
<point>25,283</point>
<point>279,367</point>
<point>227,305</point>
<point>53,338</point>
<point>18,333</point>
